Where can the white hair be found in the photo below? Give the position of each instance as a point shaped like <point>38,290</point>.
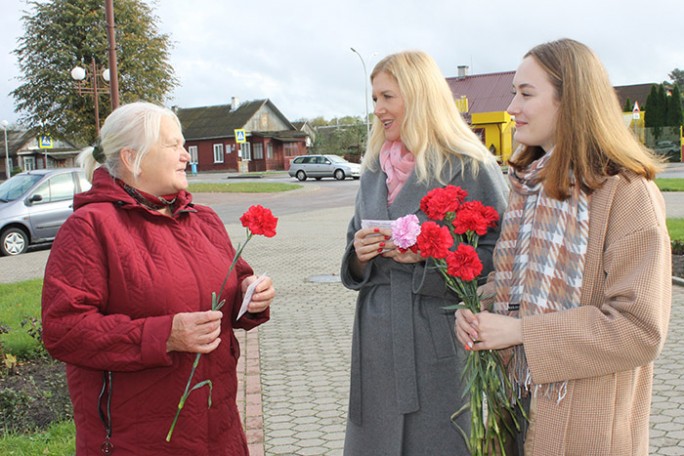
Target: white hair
<point>133,126</point>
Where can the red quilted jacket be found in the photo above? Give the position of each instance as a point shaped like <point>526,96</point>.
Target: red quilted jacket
<point>116,275</point>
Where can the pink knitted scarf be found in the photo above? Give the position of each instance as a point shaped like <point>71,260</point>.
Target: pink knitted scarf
<point>397,162</point>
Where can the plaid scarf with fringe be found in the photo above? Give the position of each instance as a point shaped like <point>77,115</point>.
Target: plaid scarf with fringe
<point>539,260</point>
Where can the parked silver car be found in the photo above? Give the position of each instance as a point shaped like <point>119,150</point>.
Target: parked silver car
<point>319,166</point>
<point>34,204</point>
<point>668,149</point>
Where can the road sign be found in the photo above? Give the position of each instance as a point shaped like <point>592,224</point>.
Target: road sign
<point>45,142</point>
<point>240,136</point>
<point>636,113</point>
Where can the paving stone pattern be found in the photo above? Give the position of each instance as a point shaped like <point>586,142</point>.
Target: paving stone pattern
<point>305,348</point>
<point>302,356</point>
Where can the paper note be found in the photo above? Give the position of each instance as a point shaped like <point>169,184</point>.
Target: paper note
<point>248,295</point>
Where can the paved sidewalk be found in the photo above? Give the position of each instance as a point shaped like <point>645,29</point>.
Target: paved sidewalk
<point>294,369</point>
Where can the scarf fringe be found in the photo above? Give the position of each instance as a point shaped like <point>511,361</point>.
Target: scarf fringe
<point>521,379</point>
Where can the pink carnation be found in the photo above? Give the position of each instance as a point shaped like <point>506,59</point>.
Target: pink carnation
<point>405,231</point>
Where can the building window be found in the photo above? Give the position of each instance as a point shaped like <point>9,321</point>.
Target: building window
<point>291,149</point>
<point>218,153</point>
<point>192,150</point>
<point>258,151</point>
<point>269,151</point>
<point>246,149</point>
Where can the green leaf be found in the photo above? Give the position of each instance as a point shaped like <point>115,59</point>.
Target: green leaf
<point>200,385</point>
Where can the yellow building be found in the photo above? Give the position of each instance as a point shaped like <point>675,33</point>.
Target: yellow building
<point>484,98</point>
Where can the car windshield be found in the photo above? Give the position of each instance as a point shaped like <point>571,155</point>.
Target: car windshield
<point>16,186</point>
<point>336,159</point>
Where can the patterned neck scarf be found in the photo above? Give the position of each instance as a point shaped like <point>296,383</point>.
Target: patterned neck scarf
<point>148,200</point>
<point>397,162</point>
<point>539,259</point>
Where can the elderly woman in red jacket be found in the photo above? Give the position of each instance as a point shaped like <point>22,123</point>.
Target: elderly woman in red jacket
<point>127,299</point>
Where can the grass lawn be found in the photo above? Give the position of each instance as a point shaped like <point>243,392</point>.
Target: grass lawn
<point>670,185</point>
<point>19,302</point>
<point>676,229</point>
<point>59,440</point>
<point>241,187</point>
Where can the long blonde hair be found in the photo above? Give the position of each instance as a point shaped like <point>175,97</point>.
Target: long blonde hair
<point>591,138</point>
<point>433,128</point>
<point>134,126</point>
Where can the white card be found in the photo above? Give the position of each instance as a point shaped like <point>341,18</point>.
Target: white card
<point>376,224</point>
<point>248,295</point>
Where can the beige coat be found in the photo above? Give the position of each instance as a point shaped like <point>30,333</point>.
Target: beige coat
<point>606,347</point>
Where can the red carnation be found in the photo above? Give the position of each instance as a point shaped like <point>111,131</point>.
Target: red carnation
<point>434,240</point>
<point>464,263</point>
<point>437,203</point>
<point>476,217</point>
<point>259,220</point>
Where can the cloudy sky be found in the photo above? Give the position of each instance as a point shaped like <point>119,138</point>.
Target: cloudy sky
<point>298,53</point>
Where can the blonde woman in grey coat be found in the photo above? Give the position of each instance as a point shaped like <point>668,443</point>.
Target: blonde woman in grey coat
<point>406,364</point>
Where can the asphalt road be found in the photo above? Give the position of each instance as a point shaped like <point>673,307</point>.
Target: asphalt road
<point>329,193</point>
<point>314,195</point>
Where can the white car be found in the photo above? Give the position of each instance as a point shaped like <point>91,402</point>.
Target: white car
<point>320,166</point>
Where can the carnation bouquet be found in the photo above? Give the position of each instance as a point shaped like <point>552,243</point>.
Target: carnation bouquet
<point>257,220</point>
<point>450,238</point>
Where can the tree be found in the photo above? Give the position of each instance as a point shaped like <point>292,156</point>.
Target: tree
<point>663,105</point>
<point>628,106</point>
<point>340,136</point>
<point>60,34</point>
<point>654,109</point>
<point>675,117</point>
<point>677,77</point>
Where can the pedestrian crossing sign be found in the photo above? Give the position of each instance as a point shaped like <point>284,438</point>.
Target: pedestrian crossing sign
<point>240,136</point>
<point>45,142</point>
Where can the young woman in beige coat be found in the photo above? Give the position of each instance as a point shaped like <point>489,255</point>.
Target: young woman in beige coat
<point>582,281</point>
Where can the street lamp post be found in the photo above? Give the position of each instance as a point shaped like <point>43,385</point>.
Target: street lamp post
<point>78,74</point>
<point>111,39</point>
<point>365,78</point>
<point>8,171</point>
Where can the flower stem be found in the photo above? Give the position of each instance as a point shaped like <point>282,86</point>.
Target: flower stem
<point>215,305</point>
<point>184,397</point>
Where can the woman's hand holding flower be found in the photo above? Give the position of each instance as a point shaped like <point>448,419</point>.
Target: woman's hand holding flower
<point>371,242</point>
<point>195,332</point>
<point>487,331</point>
<point>263,294</point>
<point>466,328</point>
<point>403,257</point>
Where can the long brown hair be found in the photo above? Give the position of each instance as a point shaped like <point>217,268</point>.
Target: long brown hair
<point>591,138</point>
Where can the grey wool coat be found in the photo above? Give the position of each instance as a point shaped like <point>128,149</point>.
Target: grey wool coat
<point>406,365</point>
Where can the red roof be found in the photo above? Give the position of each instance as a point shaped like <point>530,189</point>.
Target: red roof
<point>491,92</point>
<point>634,92</point>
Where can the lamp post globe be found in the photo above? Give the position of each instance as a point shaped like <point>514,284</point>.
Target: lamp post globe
<point>78,73</point>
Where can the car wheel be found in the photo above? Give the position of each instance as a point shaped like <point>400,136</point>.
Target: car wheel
<point>301,175</point>
<point>13,241</point>
<point>339,174</point>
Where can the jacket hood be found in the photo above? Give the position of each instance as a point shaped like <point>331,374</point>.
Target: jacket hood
<point>106,190</point>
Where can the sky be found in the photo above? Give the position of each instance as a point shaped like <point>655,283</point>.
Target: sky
<point>297,54</point>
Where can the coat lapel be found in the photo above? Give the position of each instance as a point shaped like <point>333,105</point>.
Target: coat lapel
<point>408,199</point>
